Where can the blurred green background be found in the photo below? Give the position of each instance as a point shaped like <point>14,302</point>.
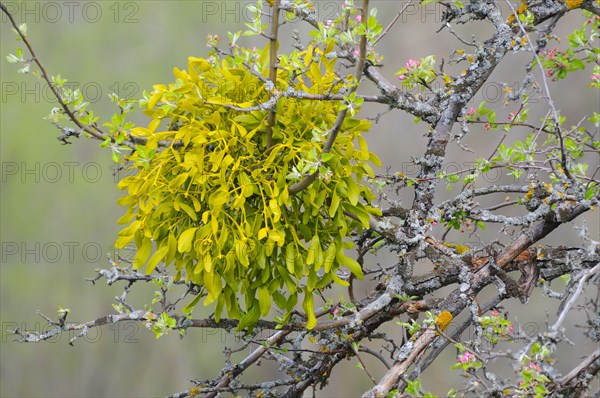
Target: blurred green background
<point>58,207</point>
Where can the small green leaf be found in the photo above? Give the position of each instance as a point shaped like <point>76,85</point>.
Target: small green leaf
<point>250,318</point>
<point>309,309</point>
<point>326,157</point>
<point>184,243</point>
<point>264,300</point>
<point>350,263</point>
<point>12,59</point>
<point>188,308</point>
<point>156,258</point>
<point>290,257</point>
<point>142,254</point>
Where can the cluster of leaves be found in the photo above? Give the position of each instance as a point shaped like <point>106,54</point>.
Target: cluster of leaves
<point>18,57</point>
<point>495,327</point>
<point>413,389</point>
<point>441,320</point>
<point>558,64</point>
<point>347,29</point>
<point>467,361</point>
<point>533,381</point>
<point>524,154</point>
<point>216,203</point>
<point>417,72</point>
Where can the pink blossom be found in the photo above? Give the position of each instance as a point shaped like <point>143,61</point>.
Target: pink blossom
<point>494,313</point>
<point>345,4</point>
<point>328,23</point>
<point>412,63</point>
<point>471,111</point>
<point>487,126</point>
<point>509,330</point>
<point>595,77</point>
<point>535,367</point>
<point>356,52</point>
<point>512,115</point>
<point>466,357</point>
<point>358,18</point>
<point>549,72</point>
<point>401,77</point>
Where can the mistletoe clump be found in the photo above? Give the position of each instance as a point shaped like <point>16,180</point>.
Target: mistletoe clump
<point>220,200</point>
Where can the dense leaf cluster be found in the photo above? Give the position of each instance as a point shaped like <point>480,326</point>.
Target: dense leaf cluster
<point>216,201</point>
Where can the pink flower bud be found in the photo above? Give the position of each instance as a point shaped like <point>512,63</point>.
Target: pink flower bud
<point>466,357</point>
<point>535,367</point>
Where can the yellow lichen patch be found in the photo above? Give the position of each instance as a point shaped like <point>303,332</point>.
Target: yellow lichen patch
<point>522,8</point>
<point>529,195</point>
<point>447,79</point>
<point>458,249</point>
<point>443,320</point>
<point>572,4</point>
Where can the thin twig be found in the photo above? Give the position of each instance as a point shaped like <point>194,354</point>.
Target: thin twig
<point>273,70</point>
<point>387,28</point>
<point>547,90</point>
<point>96,132</point>
<point>337,125</point>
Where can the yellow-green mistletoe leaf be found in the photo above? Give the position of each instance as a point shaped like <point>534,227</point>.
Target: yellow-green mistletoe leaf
<point>309,309</point>
<point>184,243</point>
